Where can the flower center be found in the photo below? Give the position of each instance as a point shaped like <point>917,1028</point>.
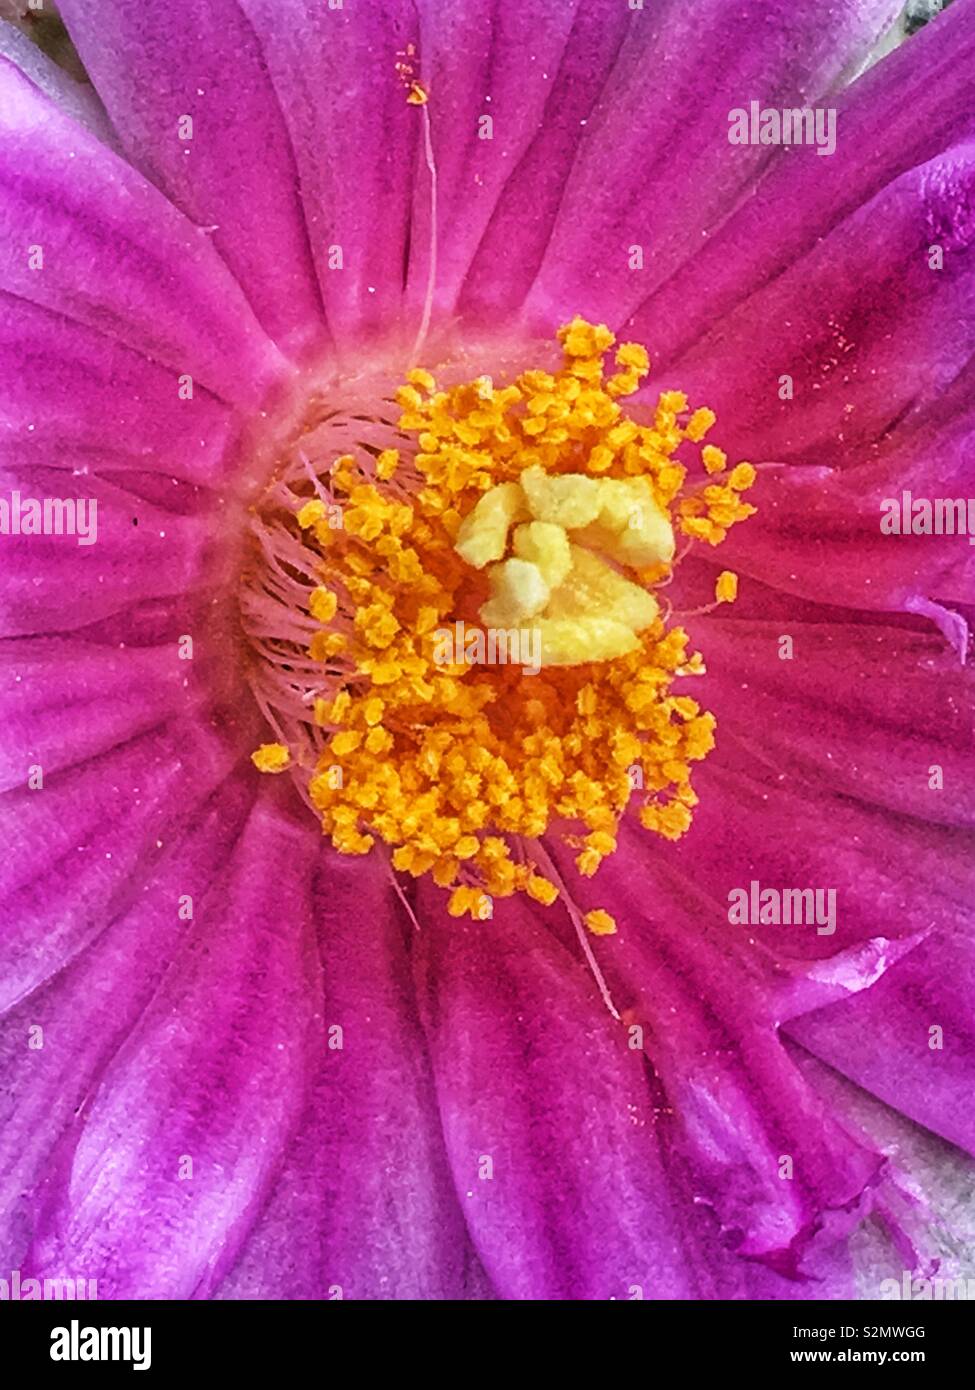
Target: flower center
<point>459,644</point>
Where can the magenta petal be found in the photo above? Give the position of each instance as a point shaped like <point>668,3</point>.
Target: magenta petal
<point>75,399</point>
<point>64,582</point>
<point>232,170</point>
<point>528,196</point>
<point>842,320</point>
<point>500,64</point>
<point>364,1207</point>
<point>819,536</point>
<point>80,845</point>
<point>62,703</point>
<point>903,113</point>
<point>355,141</point>
<point>703,1005</point>
<point>76,99</point>
<point>781,833</point>
<point>910,1040</point>
<point>842,718</point>
<point>766,818</point>
<point>116,255</point>
<point>157,1186</point>
<point>85,1013</point>
<point>548,1120</point>
<point>655,168</point>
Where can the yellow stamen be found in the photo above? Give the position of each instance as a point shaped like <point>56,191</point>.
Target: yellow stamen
<point>310,513</point>
<point>271,757</point>
<point>726,587</point>
<point>322,604</point>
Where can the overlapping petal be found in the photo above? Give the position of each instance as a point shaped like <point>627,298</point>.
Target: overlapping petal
<point>155,1200</point>
<point>840,322</point>
<point>189,93</point>
<point>82,841</point>
<point>364,1207</point>
<point>85,235</point>
<point>550,1128</point>
<point>903,113</point>
<point>79,400</point>
<point>654,169</point>
<point>700,996</point>
<point>57,1041</point>
<point>900,711</point>
<point>909,1040</point>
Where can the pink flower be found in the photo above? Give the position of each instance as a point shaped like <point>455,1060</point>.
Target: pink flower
<point>240,1064</point>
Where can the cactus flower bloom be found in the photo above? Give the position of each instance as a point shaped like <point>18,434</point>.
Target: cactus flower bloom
<point>631,955</point>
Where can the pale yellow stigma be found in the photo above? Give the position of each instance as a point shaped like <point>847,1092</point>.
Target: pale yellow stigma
<point>495,667</point>
<point>582,609</point>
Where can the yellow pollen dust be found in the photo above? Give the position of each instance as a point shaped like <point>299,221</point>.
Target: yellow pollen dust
<point>416,93</point>
<point>502,670</point>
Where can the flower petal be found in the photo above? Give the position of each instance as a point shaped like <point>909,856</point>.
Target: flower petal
<point>550,1127</point>
<point>903,113</point>
<point>499,75</point>
<point>864,711</point>
<point>231,169</point>
<point>86,236</point>
<point>521,186</point>
<point>841,321</point>
<point>76,99</point>
<point>112,550</point>
<point>64,703</point>
<point>655,168</point>
<point>55,1043</point>
<point>75,399</point>
<point>910,1039</point>
<point>364,1207</point>
<point>80,845</point>
<point>154,1191</point>
<point>344,109</point>
<point>819,532</point>
<point>762,1149</point>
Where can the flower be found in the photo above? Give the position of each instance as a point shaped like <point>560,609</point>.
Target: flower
<point>241,1062</point>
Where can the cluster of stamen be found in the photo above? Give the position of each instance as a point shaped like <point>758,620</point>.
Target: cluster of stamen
<point>534,510</point>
